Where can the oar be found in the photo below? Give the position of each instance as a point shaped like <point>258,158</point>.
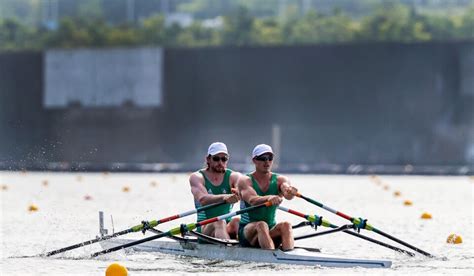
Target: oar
<point>184,227</point>
<point>320,221</point>
<point>362,224</point>
<point>135,228</point>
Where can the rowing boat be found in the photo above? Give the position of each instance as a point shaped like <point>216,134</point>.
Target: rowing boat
<point>230,250</point>
<point>298,256</point>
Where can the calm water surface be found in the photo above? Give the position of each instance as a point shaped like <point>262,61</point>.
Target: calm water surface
<point>65,216</point>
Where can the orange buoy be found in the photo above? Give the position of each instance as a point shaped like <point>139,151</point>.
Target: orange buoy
<point>454,239</point>
<point>408,203</point>
<point>4,187</point>
<point>397,193</point>
<point>426,215</point>
<point>386,187</point>
<point>126,189</point>
<point>45,183</point>
<point>153,184</point>
<point>33,208</point>
<point>116,269</point>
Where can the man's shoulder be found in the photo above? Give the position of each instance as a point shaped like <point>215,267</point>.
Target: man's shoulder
<point>196,176</point>
<point>245,178</point>
<point>281,178</point>
<point>234,173</point>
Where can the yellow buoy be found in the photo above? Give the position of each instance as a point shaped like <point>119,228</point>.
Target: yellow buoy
<point>125,189</point>
<point>408,203</point>
<point>426,215</point>
<point>454,239</point>
<point>116,269</point>
<point>79,178</point>
<point>397,193</point>
<point>32,208</point>
<point>45,183</point>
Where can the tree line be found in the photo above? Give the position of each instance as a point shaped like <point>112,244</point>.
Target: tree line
<point>397,23</point>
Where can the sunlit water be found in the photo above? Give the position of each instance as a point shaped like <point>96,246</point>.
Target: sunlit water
<point>65,217</point>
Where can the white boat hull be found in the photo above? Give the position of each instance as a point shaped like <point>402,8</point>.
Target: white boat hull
<point>297,256</point>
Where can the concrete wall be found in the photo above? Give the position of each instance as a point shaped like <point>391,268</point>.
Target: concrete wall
<point>334,105</point>
<point>101,78</point>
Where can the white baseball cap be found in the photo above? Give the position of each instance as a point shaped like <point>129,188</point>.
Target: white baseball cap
<point>217,147</point>
<point>261,149</point>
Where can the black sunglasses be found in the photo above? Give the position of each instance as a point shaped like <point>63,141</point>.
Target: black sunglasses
<point>264,158</point>
<point>217,158</point>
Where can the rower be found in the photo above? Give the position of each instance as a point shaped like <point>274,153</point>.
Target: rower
<point>259,228</point>
<point>215,183</point>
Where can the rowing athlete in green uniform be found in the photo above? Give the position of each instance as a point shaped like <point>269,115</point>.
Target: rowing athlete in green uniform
<point>259,228</point>
<point>215,184</point>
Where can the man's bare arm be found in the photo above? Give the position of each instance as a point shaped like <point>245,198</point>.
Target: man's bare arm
<point>248,194</point>
<point>202,196</point>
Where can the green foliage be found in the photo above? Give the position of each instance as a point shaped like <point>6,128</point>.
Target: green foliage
<point>197,35</point>
<point>466,29</point>
<point>153,30</point>
<point>15,35</point>
<point>395,22</point>
<point>237,28</point>
<point>315,28</point>
<point>266,32</point>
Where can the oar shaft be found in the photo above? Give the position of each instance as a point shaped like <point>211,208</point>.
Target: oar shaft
<point>135,228</point>
<point>319,204</point>
<point>367,226</point>
<point>337,228</point>
<point>177,230</point>
<point>310,218</point>
<point>131,244</point>
<point>190,212</point>
<point>54,252</point>
<point>355,234</point>
<point>402,242</point>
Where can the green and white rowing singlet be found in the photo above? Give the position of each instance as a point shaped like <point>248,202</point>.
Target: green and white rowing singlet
<point>223,188</point>
<point>263,214</point>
